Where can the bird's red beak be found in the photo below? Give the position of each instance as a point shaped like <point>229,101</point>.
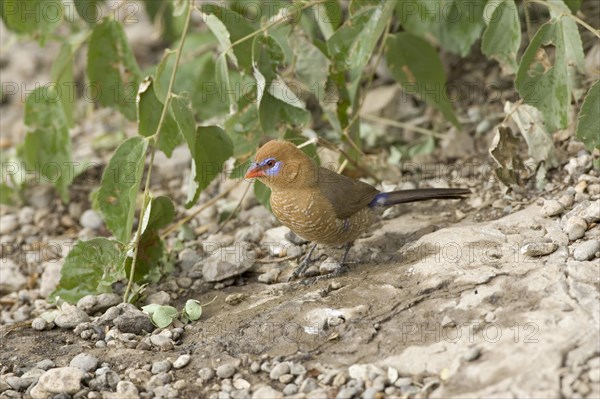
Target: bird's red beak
<point>254,172</point>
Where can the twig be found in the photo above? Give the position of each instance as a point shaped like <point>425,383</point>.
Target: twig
<point>402,125</point>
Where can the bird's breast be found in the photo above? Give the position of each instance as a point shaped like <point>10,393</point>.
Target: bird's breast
<point>311,216</point>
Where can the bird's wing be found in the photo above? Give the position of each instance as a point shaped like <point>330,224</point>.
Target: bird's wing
<point>346,195</point>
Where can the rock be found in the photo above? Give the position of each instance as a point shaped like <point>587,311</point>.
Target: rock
<point>252,233</point>
<point>91,220</point>
<point>255,367</point>
<point>365,372</point>
<point>159,298</point>
<point>228,262</point>
<point>578,166</point>
<point>45,364</point>
<point>161,366</point>
<point>85,362</point>
<point>369,393</point>
<point>108,380</point>
<point>70,316</point>
<point>536,249</point>
<point>50,277</point>
<point>136,322</point>
<point>575,227</point>
<point>188,257</point>
<point>586,250</point>
<point>308,385</point>
<point>290,389</point>
<point>92,304</point>
<point>125,390</point>
<point>275,240</point>
<point>267,392</point>
<point>278,370</point>
<point>269,277</point>
<point>346,393</point>
<point>8,223</point>
<point>59,380</point>
<point>297,369</point>
<point>591,214</point>
<point>206,373</point>
<point>182,361</point>
<point>225,371</point>
<point>328,266</point>
<point>566,200</point>
<point>185,282</point>
<point>472,354</point>
<point>163,342</point>
<point>241,383</point>
<point>12,279</point>
<point>26,214</point>
<point>552,208</point>
<point>158,380</point>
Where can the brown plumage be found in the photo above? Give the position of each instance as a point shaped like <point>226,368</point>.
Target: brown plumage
<point>320,205</point>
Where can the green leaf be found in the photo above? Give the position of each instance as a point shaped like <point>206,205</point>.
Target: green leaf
<point>329,17</point>
<point>150,308</point>
<point>119,186</point>
<point>89,10</point>
<point>38,18</point>
<point>163,74</point>
<point>542,83</point>
<point>47,146</point>
<point>164,315</point>
<point>312,65</point>
<point>112,68</point>
<point>456,24</point>
<point>90,268</point>
<point>193,309</point>
<point>262,194</point>
<point>237,27</point>
<point>417,67</point>
<point>572,39</point>
<point>158,214</point>
<point>352,45</point>
<point>149,113</point>
<point>62,76</point>
<point>278,105</point>
<point>502,37</point>
<point>573,5</point>
<point>183,115</point>
<point>180,7</point>
<point>588,124</point>
<point>244,127</point>
<point>8,195</point>
<point>210,148</point>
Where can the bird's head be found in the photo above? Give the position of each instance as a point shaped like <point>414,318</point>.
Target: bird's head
<point>280,164</point>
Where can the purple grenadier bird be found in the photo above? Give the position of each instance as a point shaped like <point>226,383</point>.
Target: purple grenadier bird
<point>323,206</point>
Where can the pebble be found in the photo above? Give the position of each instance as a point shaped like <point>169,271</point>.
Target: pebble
<point>188,257</point>
<point>92,304</point>
<point>255,367</point>
<point>162,341</point>
<point>50,277</point>
<point>241,383</point>
<point>8,223</point>
<point>290,389</point>
<point>269,277</point>
<point>329,265</point>
<point>58,380</point>
<point>85,362</point>
<point>228,262</point>
<point>278,370</point>
<point>535,249</point>
<point>267,392</point>
<point>182,361</point>
<point>308,385</point>
<point>566,200</point>
<point>286,378</point>
<point>365,372</point>
<point>552,208</point>
<point>159,298</point>
<point>591,214</point>
<point>297,369</point>
<point>472,354</point>
<point>346,393</point>
<point>26,214</point>
<point>392,375</point>
<point>125,390</point>
<point>162,366</point>
<point>586,250</point>
<point>185,282</point>
<point>370,393</point>
<point>135,322</point>
<point>225,371</point>
<point>70,316</point>
<point>206,373</point>
<point>45,364</point>
<point>575,227</point>
<point>91,219</point>
<point>12,278</point>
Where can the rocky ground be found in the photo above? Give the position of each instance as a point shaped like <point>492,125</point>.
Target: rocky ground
<point>493,296</point>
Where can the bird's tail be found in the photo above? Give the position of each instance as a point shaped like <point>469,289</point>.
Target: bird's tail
<point>420,194</point>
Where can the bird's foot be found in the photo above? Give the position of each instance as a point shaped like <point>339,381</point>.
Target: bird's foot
<point>336,273</point>
<point>298,271</point>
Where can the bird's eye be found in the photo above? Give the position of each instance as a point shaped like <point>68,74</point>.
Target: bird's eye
<point>270,163</point>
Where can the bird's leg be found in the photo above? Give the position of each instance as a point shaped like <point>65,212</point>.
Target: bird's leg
<point>341,269</point>
<point>304,264</point>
